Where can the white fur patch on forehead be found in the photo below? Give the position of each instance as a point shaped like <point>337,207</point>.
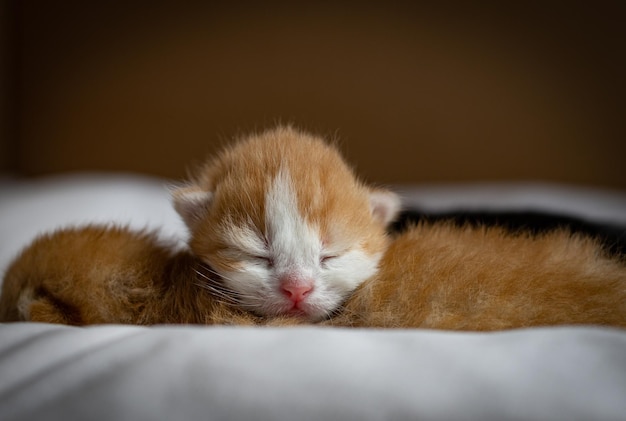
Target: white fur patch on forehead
<point>294,243</point>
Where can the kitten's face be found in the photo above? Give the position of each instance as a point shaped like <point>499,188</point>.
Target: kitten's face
<point>289,230</point>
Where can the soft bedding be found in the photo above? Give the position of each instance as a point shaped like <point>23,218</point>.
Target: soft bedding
<point>195,372</point>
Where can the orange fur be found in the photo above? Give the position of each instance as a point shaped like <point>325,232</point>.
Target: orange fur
<point>326,188</point>
<point>97,275</point>
<point>279,216</point>
<point>444,277</point>
<point>269,213</point>
<point>433,276</point>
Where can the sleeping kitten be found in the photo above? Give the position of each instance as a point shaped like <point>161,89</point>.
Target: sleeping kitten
<point>442,276</point>
<point>279,218</point>
<point>436,276</point>
<point>285,224</point>
<point>280,226</point>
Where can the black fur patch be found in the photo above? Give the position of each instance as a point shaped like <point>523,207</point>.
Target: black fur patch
<point>612,237</point>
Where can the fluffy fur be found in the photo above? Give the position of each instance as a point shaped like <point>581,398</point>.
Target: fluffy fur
<point>433,276</point>
<point>442,276</point>
<point>285,223</point>
<point>283,232</point>
<point>97,275</point>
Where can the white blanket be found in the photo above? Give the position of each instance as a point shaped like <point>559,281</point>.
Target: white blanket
<point>53,372</point>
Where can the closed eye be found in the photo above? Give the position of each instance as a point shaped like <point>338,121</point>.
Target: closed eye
<point>267,260</point>
<point>326,259</point>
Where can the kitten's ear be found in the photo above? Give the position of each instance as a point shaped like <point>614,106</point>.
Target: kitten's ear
<point>385,205</point>
<point>191,203</point>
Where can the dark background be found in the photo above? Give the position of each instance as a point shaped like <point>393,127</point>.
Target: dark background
<point>417,92</point>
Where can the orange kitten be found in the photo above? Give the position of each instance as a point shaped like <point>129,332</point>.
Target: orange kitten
<point>96,275</point>
<point>281,227</point>
<point>285,223</point>
<point>441,276</point>
<point>279,218</point>
<point>433,276</point>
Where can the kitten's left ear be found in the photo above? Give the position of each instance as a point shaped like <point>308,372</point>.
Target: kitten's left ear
<point>191,203</point>
<point>385,205</point>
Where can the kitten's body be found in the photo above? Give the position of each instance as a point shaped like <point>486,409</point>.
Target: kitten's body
<point>96,275</point>
<point>287,230</point>
<point>279,217</point>
<point>442,276</point>
<point>432,276</point>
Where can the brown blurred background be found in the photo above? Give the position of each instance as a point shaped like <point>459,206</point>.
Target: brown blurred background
<point>417,92</point>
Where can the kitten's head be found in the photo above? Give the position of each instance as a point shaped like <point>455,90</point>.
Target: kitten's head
<point>285,223</point>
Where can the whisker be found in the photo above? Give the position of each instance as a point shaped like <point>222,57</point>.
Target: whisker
<point>224,292</point>
<point>204,276</point>
<point>218,293</point>
<point>221,286</point>
<point>208,269</point>
<point>213,286</point>
<point>233,297</point>
<point>246,301</point>
<point>216,290</point>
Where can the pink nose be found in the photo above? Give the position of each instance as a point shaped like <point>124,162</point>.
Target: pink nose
<point>296,292</point>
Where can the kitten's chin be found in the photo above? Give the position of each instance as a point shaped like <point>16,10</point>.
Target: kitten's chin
<point>296,312</point>
<point>303,310</point>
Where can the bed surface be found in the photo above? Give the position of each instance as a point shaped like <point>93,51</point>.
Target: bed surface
<point>194,372</point>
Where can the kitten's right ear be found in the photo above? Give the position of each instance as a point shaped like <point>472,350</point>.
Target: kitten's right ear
<point>191,203</point>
